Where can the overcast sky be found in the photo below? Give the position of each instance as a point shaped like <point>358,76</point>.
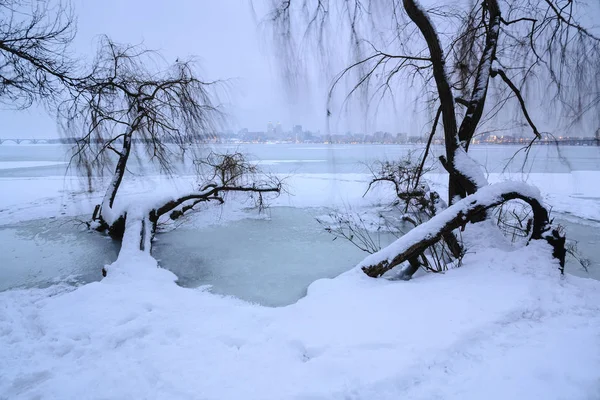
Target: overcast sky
<point>225,37</point>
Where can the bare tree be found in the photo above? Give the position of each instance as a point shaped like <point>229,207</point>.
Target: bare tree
<point>35,62</point>
<point>456,52</point>
<point>129,105</point>
<point>414,203</point>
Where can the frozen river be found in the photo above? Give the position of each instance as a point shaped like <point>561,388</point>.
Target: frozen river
<point>328,159</point>
<point>268,261</point>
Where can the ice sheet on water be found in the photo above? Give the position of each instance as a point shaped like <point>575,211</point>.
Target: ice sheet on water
<point>44,252</point>
<point>268,261</point>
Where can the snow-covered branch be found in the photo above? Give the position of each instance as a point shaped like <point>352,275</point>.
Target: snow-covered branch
<point>421,237</point>
<point>210,193</point>
<point>482,77</point>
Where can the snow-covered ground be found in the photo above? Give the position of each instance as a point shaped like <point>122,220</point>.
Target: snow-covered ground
<point>576,193</point>
<point>505,325</point>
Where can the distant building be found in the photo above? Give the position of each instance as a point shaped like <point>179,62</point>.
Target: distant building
<point>415,139</point>
<point>297,133</point>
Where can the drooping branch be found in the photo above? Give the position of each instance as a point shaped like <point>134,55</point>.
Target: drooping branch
<point>517,93</point>
<point>428,145</point>
<point>35,63</point>
<point>559,15</point>
<point>372,67</point>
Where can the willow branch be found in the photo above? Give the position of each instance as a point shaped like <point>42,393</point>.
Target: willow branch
<point>428,146</point>
<point>517,93</point>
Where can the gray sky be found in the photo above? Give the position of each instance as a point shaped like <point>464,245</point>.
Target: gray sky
<point>224,36</point>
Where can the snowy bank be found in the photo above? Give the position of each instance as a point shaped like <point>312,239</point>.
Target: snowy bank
<point>34,198</point>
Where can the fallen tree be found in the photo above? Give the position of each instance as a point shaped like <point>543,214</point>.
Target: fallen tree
<point>467,210</point>
<point>136,224</point>
<point>414,203</point>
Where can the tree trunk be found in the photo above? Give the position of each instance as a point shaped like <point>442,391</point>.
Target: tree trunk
<point>111,191</point>
<point>103,212</point>
<point>447,106</point>
<point>420,18</point>
<point>482,78</point>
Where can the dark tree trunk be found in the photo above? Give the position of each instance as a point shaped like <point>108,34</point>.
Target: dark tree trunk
<point>120,168</point>
<point>482,78</point>
<point>117,227</point>
<point>420,18</point>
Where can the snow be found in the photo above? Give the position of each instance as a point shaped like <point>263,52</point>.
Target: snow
<point>484,196</point>
<point>33,198</point>
<point>506,325</point>
<point>469,167</point>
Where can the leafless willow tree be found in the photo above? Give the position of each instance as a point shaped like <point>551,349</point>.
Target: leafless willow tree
<point>471,60</point>
<point>128,102</point>
<point>35,62</point>
<point>128,105</point>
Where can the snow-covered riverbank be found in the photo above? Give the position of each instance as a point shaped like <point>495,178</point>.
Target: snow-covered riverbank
<point>506,325</point>
<point>573,193</point>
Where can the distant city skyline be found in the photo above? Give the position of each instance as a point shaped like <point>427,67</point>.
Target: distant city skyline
<point>298,136</point>
<point>258,91</point>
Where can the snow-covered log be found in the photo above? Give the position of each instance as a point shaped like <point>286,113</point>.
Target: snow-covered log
<point>136,236</point>
<point>208,193</point>
<point>114,219</point>
<point>415,242</point>
<point>135,224</point>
